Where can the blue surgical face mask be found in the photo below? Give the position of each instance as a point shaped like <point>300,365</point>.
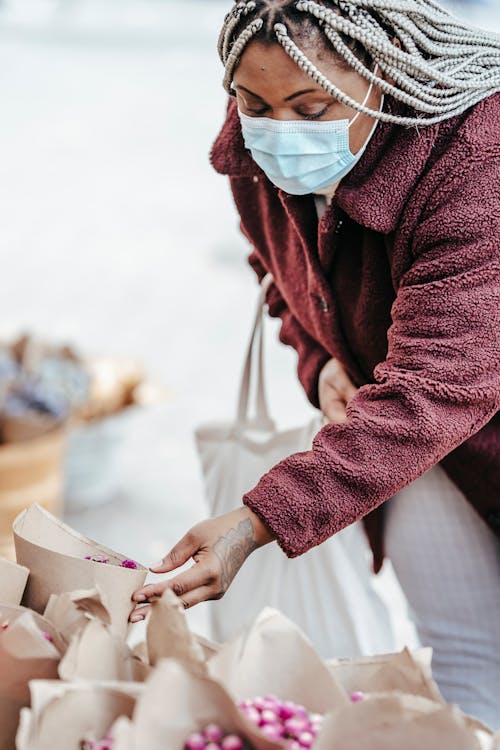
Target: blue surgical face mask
<point>300,156</point>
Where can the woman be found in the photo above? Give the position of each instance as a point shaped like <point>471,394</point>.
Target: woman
<point>363,149</point>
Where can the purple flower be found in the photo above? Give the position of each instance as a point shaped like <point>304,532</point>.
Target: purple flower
<point>129,564</point>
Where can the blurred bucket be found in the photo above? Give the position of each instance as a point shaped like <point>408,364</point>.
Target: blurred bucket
<point>31,471</point>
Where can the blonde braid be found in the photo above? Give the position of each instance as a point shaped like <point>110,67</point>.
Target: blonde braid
<point>442,67</point>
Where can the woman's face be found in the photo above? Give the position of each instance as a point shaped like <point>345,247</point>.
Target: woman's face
<point>269,84</point>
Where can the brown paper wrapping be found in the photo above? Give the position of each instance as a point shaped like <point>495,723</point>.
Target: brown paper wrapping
<point>274,657</point>
<point>177,702</point>
<point>95,651</point>
<point>25,654</point>
<point>392,721</point>
<point>168,634</point>
<point>55,555</point>
<point>70,612</point>
<point>63,714</point>
<point>384,673</point>
<point>13,580</point>
<point>209,648</point>
<point>121,731</point>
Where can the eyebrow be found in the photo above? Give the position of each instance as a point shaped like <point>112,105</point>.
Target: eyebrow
<point>299,93</point>
<point>288,98</point>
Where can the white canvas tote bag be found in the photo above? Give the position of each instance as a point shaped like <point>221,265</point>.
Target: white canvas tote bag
<point>328,591</point>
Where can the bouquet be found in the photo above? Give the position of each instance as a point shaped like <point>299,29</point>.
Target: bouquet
<point>60,560</point>
<point>13,580</point>
<point>30,648</point>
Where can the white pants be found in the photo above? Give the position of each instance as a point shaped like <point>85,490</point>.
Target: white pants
<point>448,563</point>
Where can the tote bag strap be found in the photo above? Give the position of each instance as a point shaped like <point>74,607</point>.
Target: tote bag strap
<point>254,367</point>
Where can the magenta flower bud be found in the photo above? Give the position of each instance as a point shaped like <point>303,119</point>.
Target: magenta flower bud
<point>5,625</point>
<point>300,712</point>
<point>213,733</point>
<point>252,714</point>
<point>272,703</point>
<point>295,726</point>
<point>232,742</point>
<point>259,703</point>
<point>357,696</point>
<point>47,636</point>
<point>129,564</point>
<point>195,741</point>
<point>272,731</point>
<point>287,710</point>
<point>268,717</point>
<point>306,739</point>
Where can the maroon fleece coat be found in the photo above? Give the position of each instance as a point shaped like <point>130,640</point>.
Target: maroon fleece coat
<point>400,280</point>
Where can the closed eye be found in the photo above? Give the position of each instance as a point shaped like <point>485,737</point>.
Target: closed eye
<point>258,112</point>
<point>316,115</point>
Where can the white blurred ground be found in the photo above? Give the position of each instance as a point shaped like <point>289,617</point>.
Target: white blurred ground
<point>116,234</point>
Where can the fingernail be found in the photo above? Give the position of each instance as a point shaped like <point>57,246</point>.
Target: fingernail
<point>156,565</point>
<point>139,598</point>
<point>136,618</point>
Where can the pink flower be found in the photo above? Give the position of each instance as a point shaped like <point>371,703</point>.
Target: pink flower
<point>356,697</point>
<point>129,564</point>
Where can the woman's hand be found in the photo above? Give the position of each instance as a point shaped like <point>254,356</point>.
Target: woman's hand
<point>219,547</point>
<point>335,390</point>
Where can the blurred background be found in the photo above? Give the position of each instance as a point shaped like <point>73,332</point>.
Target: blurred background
<point>118,238</point>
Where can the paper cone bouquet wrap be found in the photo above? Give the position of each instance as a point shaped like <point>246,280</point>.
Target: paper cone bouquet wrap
<point>66,715</point>
<point>13,579</point>
<point>60,560</point>
<point>30,648</point>
<point>70,681</point>
<point>265,690</point>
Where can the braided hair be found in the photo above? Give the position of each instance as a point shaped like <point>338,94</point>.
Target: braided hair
<point>439,68</point>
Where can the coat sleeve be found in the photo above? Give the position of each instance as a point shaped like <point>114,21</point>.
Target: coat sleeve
<point>438,385</point>
<point>311,355</point>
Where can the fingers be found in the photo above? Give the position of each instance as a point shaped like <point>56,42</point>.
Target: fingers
<point>152,591</point>
<point>188,600</point>
<point>334,376</point>
<point>344,385</point>
<point>202,594</point>
<point>198,575</point>
<point>335,411</point>
<point>178,555</point>
<point>140,613</point>
<point>192,587</point>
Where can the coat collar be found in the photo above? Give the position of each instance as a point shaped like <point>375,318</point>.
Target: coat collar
<point>375,192</point>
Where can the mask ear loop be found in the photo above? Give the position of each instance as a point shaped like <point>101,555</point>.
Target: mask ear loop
<point>370,87</point>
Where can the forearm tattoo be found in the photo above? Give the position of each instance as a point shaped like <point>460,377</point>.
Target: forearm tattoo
<point>232,550</point>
